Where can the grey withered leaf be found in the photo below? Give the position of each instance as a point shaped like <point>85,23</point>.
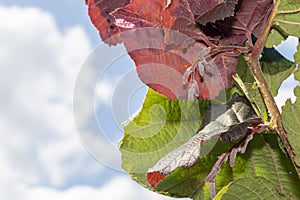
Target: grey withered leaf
<point>229,122</point>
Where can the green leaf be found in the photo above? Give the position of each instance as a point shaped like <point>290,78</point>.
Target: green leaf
<point>285,23</point>
<point>169,123</point>
<point>297,54</point>
<point>161,126</point>
<point>291,121</point>
<point>276,68</point>
<point>264,158</point>
<point>287,18</point>
<point>173,123</point>
<point>245,82</point>
<point>275,37</point>
<point>297,74</point>
<point>250,189</point>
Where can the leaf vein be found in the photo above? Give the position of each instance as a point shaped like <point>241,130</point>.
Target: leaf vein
<point>275,163</point>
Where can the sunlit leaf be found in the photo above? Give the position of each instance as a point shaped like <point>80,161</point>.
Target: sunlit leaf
<point>287,18</point>
<point>230,124</point>
<point>189,49</point>
<point>99,12</point>
<point>275,38</point>
<point>291,122</point>
<point>276,68</point>
<point>161,126</point>
<point>250,189</point>
<point>245,82</point>
<point>297,54</point>
<point>158,130</point>
<point>285,23</point>
<point>162,57</point>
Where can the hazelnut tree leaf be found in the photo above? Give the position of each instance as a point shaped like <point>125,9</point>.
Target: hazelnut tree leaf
<point>163,58</point>
<point>164,125</point>
<point>286,22</point>
<point>250,188</point>
<point>291,119</point>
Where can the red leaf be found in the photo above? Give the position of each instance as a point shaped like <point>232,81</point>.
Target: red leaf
<point>173,54</point>
<point>250,18</point>
<point>162,62</point>
<point>140,13</point>
<point>162,56</point>
<point>153,178</point>
<point>99,12</point>
<point>177,9</point>
<point>212,10</point>
<point>178,16</point>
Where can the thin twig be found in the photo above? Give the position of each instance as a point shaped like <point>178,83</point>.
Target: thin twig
<point>253,63</point>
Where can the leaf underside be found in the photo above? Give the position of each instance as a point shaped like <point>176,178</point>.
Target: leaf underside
<point>262,158</point>
<point>230,123</point>
<point>99,11</point>
<point>166,38</point>
<point>190,49</point>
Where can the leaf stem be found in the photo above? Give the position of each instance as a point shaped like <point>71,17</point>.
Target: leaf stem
<point>253,63</point>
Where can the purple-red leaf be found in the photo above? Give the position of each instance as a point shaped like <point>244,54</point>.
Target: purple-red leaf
<point>178,17</point>
<point>140,14</point>
<point>165,40</point>
<point>99,12</point>
<point>162,56</point>
<point>250,18</point>
<point>212,10</point>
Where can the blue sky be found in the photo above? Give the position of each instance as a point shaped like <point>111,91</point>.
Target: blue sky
<point>44,44</point>
<point>49,49</point>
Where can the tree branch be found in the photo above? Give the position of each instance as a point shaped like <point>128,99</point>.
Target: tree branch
<point>253,63</point>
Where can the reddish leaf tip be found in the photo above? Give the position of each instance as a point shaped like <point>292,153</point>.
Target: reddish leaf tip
<point>153,178</point>
<point>258,127</point>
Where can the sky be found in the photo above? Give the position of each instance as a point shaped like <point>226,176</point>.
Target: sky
<point>61,91</point>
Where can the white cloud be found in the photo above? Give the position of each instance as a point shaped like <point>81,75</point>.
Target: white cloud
<point>39,64</point>
<point>118,188</point>
<point>287,48</point>
<point>105,90</point>
<point>39,148</point>
<point>286,91</point>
